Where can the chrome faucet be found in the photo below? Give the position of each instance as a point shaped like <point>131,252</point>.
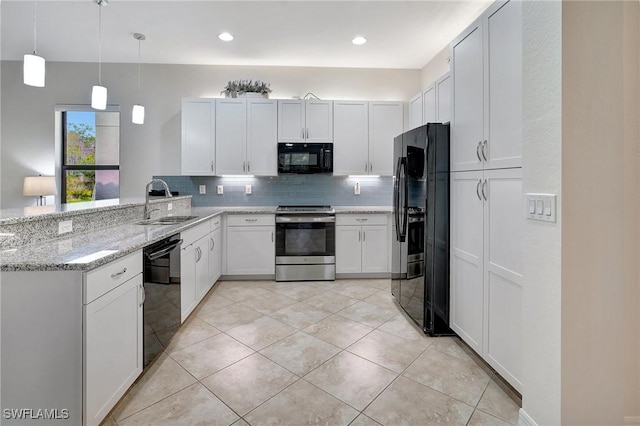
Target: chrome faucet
<point>147,212</point>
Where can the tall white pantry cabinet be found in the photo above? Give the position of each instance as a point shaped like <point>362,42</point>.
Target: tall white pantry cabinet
<point>487,206</point>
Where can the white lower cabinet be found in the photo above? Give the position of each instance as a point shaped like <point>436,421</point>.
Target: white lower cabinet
<point>487,218</point>
<point>113,347</point>
<point>215,255</point>
<point>361,248</point>
<point>250,244</point>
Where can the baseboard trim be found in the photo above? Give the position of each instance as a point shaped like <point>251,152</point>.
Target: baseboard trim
<point>363,275</point>
<point>524,419</point>
<point>247,277</point>
<point>632,421</point>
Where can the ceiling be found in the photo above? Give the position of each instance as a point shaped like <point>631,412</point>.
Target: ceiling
<point>401,34</point>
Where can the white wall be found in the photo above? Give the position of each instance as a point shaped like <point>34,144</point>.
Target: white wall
<point>435,68</point>
<point>27,118</point>
<point>541,171</point>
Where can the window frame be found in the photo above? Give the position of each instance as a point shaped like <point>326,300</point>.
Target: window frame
<point>63,157</point>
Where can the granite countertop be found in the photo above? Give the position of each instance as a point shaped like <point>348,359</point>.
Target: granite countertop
<point>83,252</point>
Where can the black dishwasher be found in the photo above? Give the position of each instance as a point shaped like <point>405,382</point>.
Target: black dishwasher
<point>162,295</point>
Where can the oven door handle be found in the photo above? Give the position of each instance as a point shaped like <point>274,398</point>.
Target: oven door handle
<point>163,251</point>
<point>304,219</point>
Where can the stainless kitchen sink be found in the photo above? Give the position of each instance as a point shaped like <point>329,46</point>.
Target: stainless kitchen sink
<point>167,220</point>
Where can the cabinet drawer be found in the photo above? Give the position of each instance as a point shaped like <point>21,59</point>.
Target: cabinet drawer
<point>251,220</point>
<point>192,235</point>
<point>215,223</point>
<point>105,278</point>
<point>361,219</point>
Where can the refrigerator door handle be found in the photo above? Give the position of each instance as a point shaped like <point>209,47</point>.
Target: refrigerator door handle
<point>405,207</point>
<point>396,198</point>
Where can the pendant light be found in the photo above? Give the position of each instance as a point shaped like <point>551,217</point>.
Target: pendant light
<point>33,66</point>
<point>99,92</point>
<point>137,114</point>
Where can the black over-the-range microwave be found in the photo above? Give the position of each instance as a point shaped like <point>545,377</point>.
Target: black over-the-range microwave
<point>305,158</point>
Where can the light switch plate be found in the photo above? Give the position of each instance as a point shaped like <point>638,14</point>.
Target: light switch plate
<point>65,227</point>
<point>356,188</point>
<point>247,189</point>
<point>169,206</point>
<point>541,207</point>
<point>203,189</point>
<point>220,189</point>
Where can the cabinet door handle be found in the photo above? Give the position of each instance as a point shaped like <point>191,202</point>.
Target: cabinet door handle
<point>478,151</point>
<point>484,155</point>
<point>248,166</point>
<point>478,189</point>
<point>370,167</point>
<point>117,274</point>
<point>244,166</point>
<point>364,235</point>
<point>362,219</point>
<point>211,165</point>
<point>484,194</point>
<point>302,133</point>
<point>199,253</point>
<point>212,245</point>
<point>143,296</point>
<point>251,220</point>
<point>365,166</point>
<point>307,133</point>
<point>359,235</point>
<point>271,236</point>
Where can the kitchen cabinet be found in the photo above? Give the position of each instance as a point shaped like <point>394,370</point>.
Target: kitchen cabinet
<point>443,101</point>
<point>246,137</point>
<point>486,65</point>
<point>385,123</point>
<point>215,252</point>
<point>194,268</point>
<point>301,120</point>
<point>113,347</point>
<point>198,137</point>
<point>486,266</point>
<point>415,111</point>
<point>351,137</point>
<point>429,105</point>
<point>362,244</point>
<point>250,245</point>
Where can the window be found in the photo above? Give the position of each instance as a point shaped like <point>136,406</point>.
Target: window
<point>90,156</point>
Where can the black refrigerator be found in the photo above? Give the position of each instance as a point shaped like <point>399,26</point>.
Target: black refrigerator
<point>420,243</point>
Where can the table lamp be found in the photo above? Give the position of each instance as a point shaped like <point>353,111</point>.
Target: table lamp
<point>39,186</point>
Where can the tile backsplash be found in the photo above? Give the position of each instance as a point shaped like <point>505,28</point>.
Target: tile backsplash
<point>284,189</point>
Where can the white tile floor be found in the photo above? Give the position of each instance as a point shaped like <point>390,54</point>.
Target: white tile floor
<point>312,353</point>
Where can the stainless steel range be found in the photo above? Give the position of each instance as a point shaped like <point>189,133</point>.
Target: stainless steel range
<point>305,243</point>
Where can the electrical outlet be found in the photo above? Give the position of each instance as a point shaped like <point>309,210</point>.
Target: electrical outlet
<point>356,188</point>
<point>220,189</point>
<point>247,189</point>
<point>169,206</point>
<point>65,227</point>
<point>203,189</point>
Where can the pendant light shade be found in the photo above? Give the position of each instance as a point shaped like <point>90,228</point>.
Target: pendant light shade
<point>33,67</point>
<point>99,92</point>
<point>99,97</point>
<point>33,70</point>
<point>137,114</point>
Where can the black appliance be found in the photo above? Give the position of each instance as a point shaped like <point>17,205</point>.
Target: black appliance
<point>420,244</point>
<point>305,243</point>
<point>161,310</point>
<point>305,158</point>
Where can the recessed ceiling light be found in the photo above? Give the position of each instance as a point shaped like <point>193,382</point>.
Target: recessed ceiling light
<point>225,36</point>
<point>358,40</point>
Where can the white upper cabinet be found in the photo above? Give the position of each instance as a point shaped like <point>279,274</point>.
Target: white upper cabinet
<point>503,70</point>
<point>443,89</point>
<point>246,137</point>
<point>386,121</point>
<point>351,137</point>
<point>231,136</point>
<point>262,137</point>
<point>308,120</point>
<point>198,137</point>
<point>467,133</point>
<point>415,111</point>
<point>486,65</point>
<point>429,105</point>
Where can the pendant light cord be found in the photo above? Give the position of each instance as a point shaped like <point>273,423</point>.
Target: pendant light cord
<point>99,44</point>
<point>35,21</point>
<point>139,40</point>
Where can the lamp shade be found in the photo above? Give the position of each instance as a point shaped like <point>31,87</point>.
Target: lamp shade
<point>99,97</point>
<point>35,186</point>
<point>33,70</point>
<point>137,114</point>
